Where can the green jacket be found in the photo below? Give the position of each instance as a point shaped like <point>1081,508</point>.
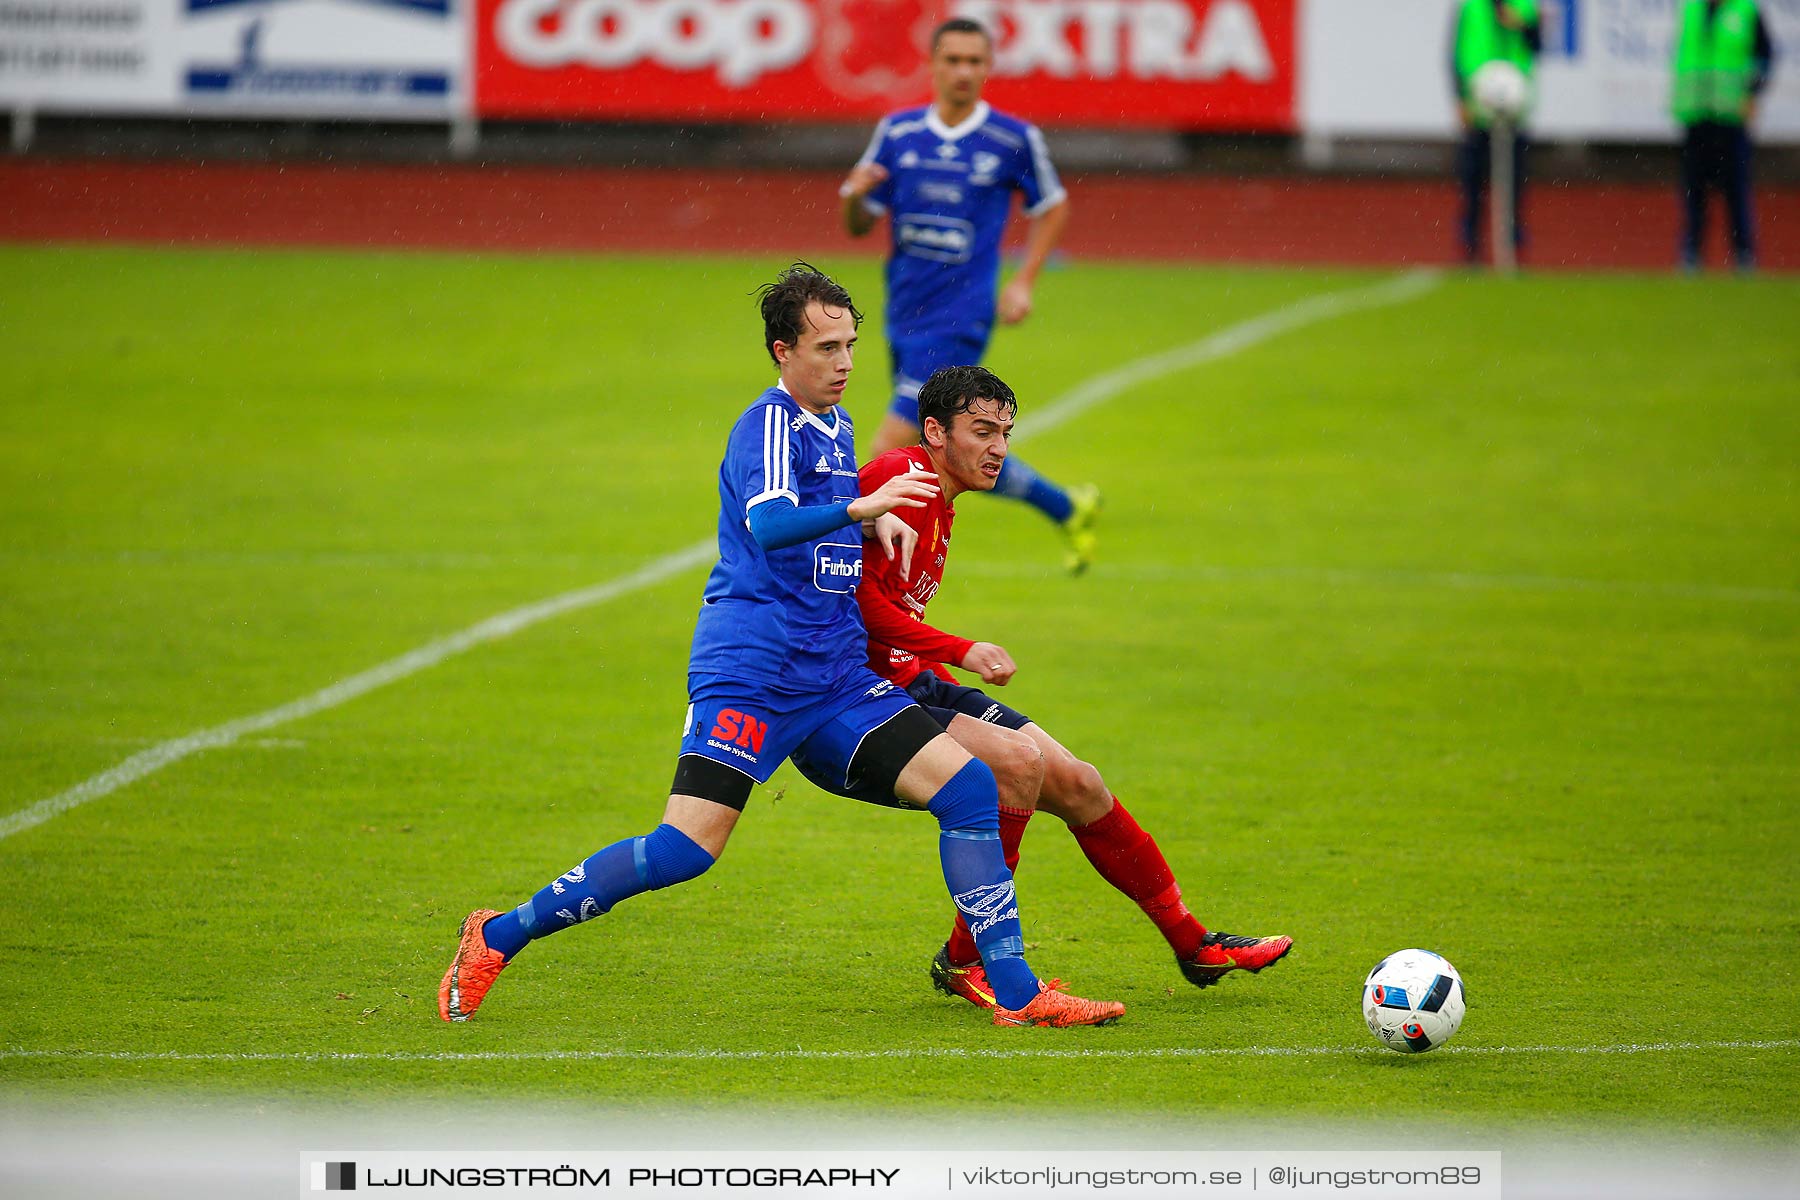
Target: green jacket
<point>1481,38</point>
<point>1714,62</point>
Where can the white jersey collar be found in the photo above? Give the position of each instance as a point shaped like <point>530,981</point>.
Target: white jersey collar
<point>837,421</point>
<point>951,133</point>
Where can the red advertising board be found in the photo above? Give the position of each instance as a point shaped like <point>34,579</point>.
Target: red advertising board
<point>1173,64</point>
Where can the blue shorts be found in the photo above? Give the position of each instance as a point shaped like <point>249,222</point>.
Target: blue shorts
<point>753,728</point>
<point>944,700</point>
<point>916,357</point>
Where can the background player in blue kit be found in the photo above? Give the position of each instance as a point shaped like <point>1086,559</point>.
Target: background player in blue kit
<point>778,671</point>
<point>945,174</point>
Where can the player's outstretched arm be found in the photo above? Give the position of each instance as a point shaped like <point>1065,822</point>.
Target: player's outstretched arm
<point>777,524</point>
<point>1046,229</point>
<point>902,491</point>
<point>863,179</point>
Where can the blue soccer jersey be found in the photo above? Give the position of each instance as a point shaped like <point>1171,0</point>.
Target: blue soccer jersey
<point>948,193</point>
<point>789,616</point>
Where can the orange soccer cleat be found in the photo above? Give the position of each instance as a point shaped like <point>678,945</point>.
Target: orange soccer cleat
<point>1220,953</point>
<point>970,982</point>
<point>472,972</point>
<point>1058,1009</point>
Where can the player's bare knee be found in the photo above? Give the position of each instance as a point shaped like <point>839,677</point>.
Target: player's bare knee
<point>1018,767</point>
<point>1074,790</point>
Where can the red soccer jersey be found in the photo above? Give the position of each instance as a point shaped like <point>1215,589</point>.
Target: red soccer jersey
<point>901,644</point>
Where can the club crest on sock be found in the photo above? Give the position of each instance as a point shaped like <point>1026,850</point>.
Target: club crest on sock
<point>986,906</point>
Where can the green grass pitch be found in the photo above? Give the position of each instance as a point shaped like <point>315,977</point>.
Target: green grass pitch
<point>1472,622</point>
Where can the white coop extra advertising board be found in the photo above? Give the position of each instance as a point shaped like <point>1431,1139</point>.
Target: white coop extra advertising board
<point>1383,70</point>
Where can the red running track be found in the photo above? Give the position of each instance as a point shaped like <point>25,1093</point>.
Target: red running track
<point>1277,219</point>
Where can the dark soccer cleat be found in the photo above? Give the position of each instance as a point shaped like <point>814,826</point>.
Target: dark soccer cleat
<point>472,972</point>
<point>1220,953</point>
<point>970,982</point>
<point>1056,1008</point>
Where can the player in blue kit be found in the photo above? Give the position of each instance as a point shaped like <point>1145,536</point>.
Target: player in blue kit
<point>944,174</point>
<point>778,670</point>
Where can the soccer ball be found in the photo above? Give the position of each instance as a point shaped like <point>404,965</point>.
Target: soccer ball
<point>1501,89</point>
<point>1413,1001</point>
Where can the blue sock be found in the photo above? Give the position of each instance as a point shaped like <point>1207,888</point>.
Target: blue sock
<point>1022,483</point>
<point>663,857</point>
<point>968,811</point>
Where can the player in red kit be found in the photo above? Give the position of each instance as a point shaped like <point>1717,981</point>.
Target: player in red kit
<point>966,416</point>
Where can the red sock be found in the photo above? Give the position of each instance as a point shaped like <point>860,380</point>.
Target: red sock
<point>1129,859</point>
<point>1012,831</point>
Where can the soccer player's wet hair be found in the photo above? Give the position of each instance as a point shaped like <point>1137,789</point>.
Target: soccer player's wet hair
<point>959,25</point>
<point>784,303</point>
<point>952,390</point>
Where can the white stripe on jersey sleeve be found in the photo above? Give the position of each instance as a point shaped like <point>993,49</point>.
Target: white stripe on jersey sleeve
<point>868,156</point>
<point>1049,186</point>
<point>777,474</point>
<point>783,467</point>
<point>881,131</point>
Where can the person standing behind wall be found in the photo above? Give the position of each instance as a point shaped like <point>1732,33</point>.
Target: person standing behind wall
<point>1722,58</point>
<point>1487,30</point>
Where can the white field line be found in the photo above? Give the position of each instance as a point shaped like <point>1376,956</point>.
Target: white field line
<point>1223,344</point>
<point>413,661</point>
<point>1087,395</point>
<point>1179,1052</point>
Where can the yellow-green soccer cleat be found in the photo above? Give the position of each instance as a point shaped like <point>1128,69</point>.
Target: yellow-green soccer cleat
<point>970,982</point>
<point>1078,530</point>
